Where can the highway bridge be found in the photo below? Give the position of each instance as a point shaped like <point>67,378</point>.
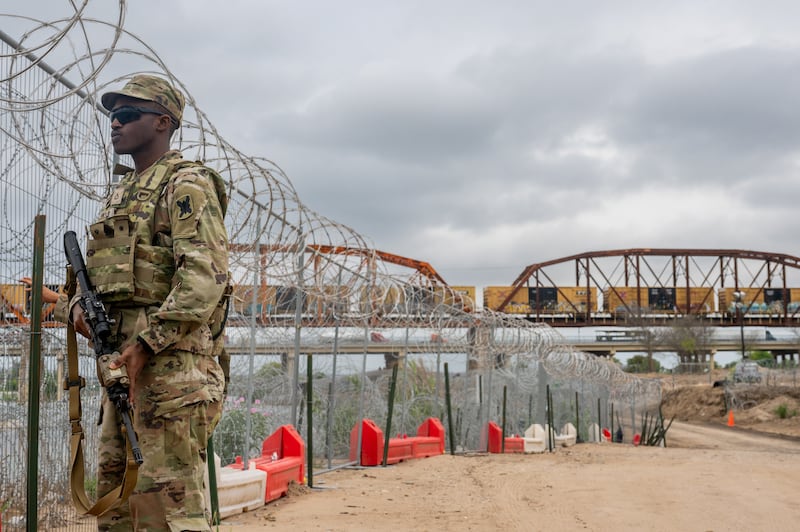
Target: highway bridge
<point>785,348</point>
<point>783,344</point>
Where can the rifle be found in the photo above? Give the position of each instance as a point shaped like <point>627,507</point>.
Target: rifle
<point>115,381</point>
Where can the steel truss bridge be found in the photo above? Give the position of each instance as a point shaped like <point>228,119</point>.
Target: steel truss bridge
<point>726,287</point>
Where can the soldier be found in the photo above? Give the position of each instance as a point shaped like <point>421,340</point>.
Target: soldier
<point>157,256</point>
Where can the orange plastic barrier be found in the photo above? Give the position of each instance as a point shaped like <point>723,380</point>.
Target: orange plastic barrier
<point>513,444</point>
<point>282,459</point>
<point>428,442</point>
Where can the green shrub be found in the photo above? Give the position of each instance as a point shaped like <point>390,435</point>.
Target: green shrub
<point>783,412</point>
<point>762,358</point>
<point>640,364</point>
<point>229,436</point>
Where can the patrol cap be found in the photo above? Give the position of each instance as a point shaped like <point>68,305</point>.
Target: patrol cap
<point>151,89</point>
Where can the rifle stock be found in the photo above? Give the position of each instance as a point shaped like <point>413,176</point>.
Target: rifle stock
<point>115,381</point>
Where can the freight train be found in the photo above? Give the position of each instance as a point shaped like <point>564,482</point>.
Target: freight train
<point>535,302</point>
<point>271,300</point>
<point>616,300</point>
<point>278,300</point>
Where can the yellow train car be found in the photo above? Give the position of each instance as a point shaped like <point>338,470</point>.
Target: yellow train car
<point>759,300</point>
<point>695,300</point>
<point>391,299</point>
<point>462,297</point>
<point>242,300</point>
<point>382,299</point>
<point>548,300</point>
<point>563,299</point>
<point>620,299</point>
<point>13,302</point>
<point>493,297</point>
<point>333,300</point>
<point>661,300</point>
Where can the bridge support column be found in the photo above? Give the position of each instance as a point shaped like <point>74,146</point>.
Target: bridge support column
<point>288,360</point>
<point>393,359</point>
<point>691,362</point>
<point>478,351</point>
<point>785,358</point>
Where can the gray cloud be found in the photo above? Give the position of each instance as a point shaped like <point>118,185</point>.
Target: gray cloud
<point>721,117</point>
<point>483,137</point>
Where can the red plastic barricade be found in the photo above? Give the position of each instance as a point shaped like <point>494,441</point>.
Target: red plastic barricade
<point>428,442</point>
<point>372,445</point>
<point>513,444</point>
<point>282,459</point>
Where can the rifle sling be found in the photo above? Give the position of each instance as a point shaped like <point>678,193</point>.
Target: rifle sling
<point>117,496</point>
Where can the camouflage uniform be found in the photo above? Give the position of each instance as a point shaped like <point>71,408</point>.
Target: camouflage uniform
<point>158,259</point>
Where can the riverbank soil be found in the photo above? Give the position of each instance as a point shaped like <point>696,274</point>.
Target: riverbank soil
<point>709,477</point>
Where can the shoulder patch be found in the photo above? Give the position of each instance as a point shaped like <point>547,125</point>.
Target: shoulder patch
<point>185,207</point>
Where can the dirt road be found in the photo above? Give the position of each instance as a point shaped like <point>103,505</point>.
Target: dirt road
<point>709,478</point>
<point>685,435</point>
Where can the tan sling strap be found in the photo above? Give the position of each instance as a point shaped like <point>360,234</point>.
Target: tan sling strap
<point>73,384</point>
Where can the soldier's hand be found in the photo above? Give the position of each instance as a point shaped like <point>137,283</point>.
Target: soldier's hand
<point>134,357</point>
<point>79,321</point>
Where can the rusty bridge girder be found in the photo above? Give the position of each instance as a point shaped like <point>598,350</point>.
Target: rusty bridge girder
<point>763,281</point>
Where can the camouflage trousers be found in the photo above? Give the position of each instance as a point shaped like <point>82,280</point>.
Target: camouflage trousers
<point>178,404</point>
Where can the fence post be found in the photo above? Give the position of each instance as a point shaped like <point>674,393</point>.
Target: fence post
<point>449,409</point>
<point>309,420</point>
<point>31,513</point>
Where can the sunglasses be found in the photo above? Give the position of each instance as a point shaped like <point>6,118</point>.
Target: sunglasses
<point>129,113</point>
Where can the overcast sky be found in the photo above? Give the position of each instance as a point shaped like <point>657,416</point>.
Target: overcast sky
<point>485,136</point>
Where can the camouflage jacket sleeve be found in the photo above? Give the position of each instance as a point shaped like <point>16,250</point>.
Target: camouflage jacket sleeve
<point>200,250</point>
<point>63,306</point>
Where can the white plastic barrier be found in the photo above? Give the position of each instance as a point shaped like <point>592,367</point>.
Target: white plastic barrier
<point>594,433</point>
<point>238,490</point>
<point>568,436</point>
<point>534,439</point>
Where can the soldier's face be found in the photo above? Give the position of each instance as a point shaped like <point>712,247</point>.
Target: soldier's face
<point>134,129</point>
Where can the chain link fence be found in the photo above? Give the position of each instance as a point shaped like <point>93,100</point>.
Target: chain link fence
<point>345,387</point>
<point>310,293</point>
